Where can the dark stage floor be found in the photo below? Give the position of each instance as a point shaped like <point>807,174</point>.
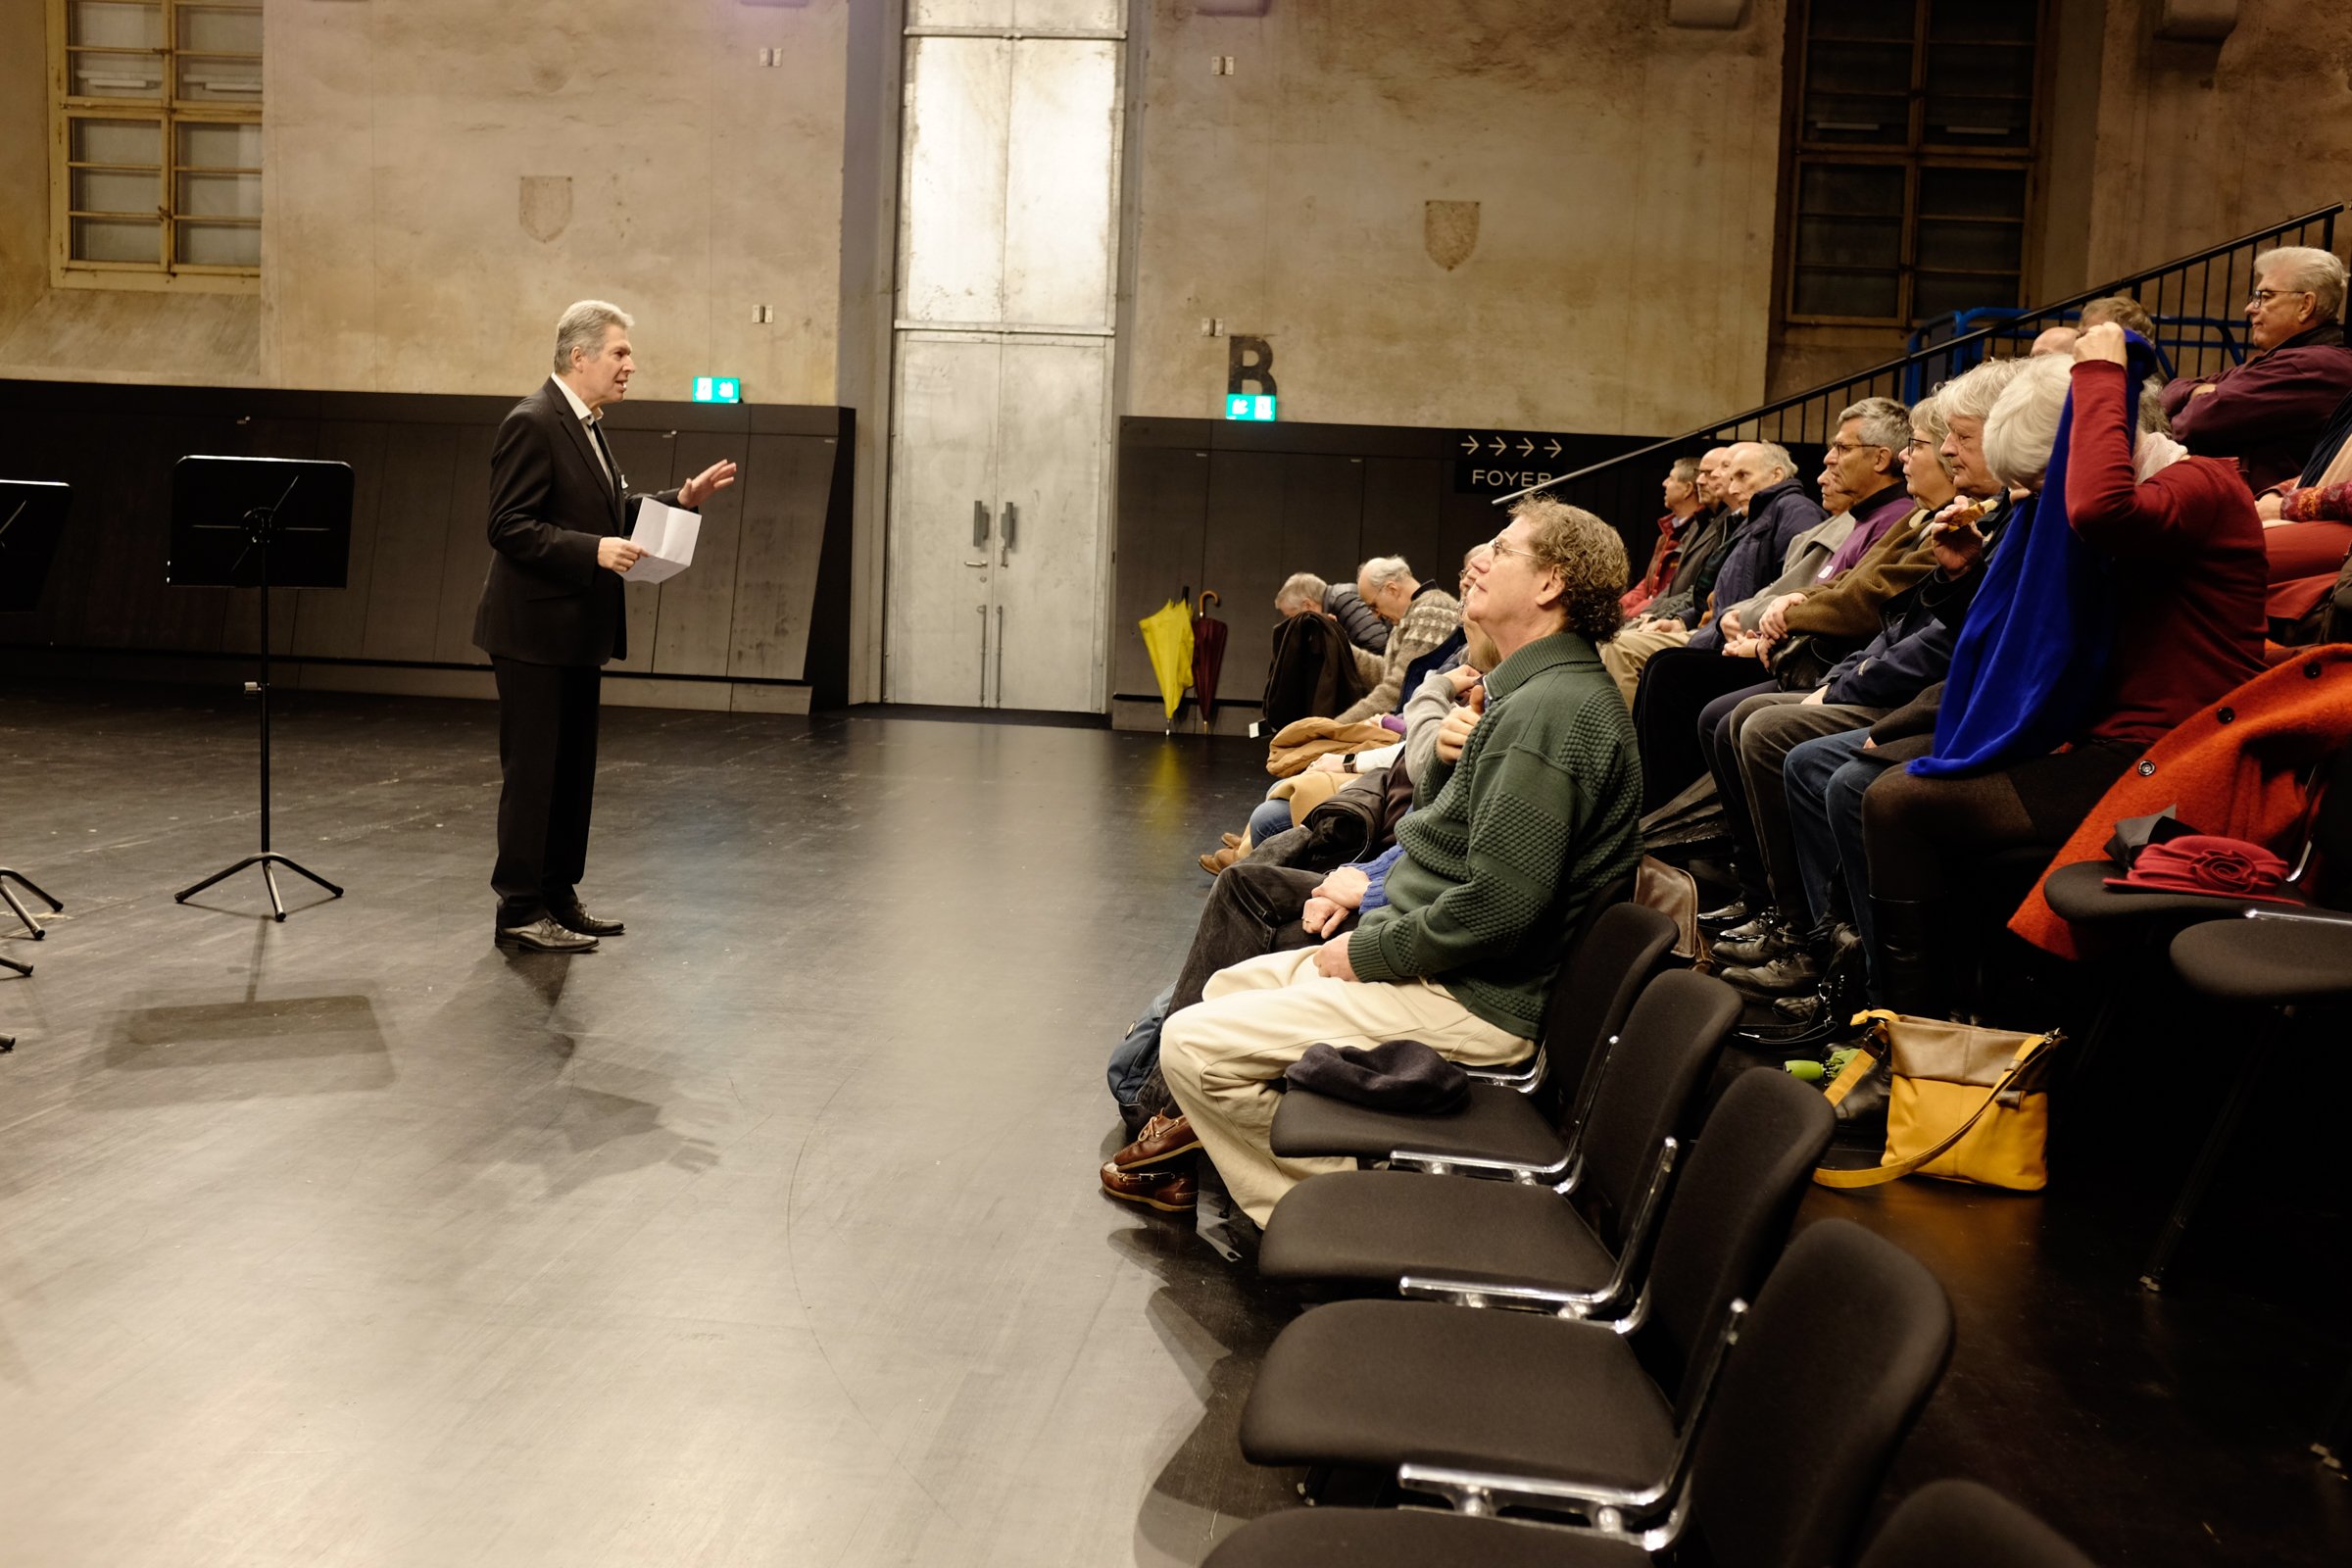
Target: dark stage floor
<point>770,1234</point>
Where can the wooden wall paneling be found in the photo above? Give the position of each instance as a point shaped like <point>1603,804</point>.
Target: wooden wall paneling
<point>1401,517</point>
<point>405,582</point>
<point>787,484</point>
<point>64,448</point>
<point>1243,562</point>
<point>465,545</point>
<point>647,459</point>
<point>139,608</point>
<point>694,624</point>
<point>333,622</point>
<point>1164,518</point>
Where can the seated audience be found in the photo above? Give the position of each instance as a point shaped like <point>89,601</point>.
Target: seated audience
<point>2307,532</point>
<point>1666,621</point>
<point>1683,503</point>
<point>1678,683</point>
<point>1364,629</point>
<point>1420,617</point>
<point>1314,671</point>
<point>1527,812</point>
<point>1747,744</point>
<point>2072,660</point>
<point>2269,413</point>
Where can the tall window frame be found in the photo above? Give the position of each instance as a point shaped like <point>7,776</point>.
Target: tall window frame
<point>155,167</point>
<point>1908,190</point>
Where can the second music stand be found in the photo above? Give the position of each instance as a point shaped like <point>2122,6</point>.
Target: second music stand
<point>260,523</point>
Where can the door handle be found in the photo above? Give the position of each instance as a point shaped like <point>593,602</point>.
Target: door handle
<point>1012,524</point>
<point>983,608</point>
<point>999,656</point>
<point>979,539</point>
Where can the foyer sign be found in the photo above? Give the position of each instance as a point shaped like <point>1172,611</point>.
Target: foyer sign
<point>1499,461</point>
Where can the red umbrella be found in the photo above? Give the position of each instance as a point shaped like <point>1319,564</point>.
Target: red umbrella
<point>1208,656</point>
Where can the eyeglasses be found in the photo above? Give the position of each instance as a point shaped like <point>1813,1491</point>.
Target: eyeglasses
<point>2263,296</point>
<point>1497,547</point>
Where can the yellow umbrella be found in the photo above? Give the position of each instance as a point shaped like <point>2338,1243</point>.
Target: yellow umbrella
<point>1168,639</point>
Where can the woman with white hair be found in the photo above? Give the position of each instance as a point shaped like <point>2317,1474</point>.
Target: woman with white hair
<point>2267,413</point>
<point>2127,599</point>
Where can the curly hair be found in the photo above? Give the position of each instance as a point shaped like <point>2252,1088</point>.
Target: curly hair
<point>1589,556</point>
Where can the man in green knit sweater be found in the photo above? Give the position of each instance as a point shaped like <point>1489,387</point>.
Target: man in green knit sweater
<point>1528,813</point>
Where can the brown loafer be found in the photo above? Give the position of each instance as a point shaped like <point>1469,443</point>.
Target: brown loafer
<point>1219,859</point>
<point>1232,841</point>
<point>1171,1192</point>
<point>1162,1139</point>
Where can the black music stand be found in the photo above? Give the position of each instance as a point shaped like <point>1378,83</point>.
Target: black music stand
<point>260,523</point>
<point>33,519</point>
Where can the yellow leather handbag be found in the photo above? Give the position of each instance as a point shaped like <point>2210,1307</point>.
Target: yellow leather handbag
<point>1968,1105</point>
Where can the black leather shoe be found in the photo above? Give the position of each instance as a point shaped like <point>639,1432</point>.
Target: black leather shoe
<point>1774,942</point>
<point>544,935</point>
<point>575,919</point>
<point>1731,913</point>
<point>1789,974</point>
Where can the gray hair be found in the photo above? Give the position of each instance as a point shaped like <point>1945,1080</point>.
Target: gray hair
<point>1686,470</point>
<point>1775,456</point>
<point>1301,588</point>
<point>1382,571</point>
<point>1971,396</point>
<point>1885,422</point>
<point>2023,426</point>
<point>2306,267</point>
<point>582,327</point>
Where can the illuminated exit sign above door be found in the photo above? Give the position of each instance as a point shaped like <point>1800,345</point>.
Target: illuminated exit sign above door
<point>717,389</point>
<point>1249,405</point>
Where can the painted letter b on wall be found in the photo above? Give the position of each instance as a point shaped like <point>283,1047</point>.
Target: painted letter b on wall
<point>1250,367</point>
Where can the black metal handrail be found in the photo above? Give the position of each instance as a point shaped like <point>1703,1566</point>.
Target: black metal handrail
<point>2179,291</point>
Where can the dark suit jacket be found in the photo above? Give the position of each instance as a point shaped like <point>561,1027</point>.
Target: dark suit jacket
<point>546,601</point>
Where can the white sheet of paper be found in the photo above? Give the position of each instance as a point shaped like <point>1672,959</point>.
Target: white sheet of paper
<point>666,535</point>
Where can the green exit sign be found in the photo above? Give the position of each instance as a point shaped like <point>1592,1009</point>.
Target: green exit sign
<point>727,389</point>
<point>1249,405</point>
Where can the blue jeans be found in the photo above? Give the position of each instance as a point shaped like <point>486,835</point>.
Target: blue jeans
<point>1270,818</point>
<point>1825,778</point>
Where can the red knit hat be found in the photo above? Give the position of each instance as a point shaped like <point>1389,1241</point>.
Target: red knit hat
<point>2205,863</point>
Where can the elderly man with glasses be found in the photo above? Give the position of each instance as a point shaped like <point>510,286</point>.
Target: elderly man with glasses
<point>2269,411</point>
<point>1525,815</point>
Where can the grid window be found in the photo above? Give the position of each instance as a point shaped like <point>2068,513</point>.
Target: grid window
<point>157,106</point>
<point>1914,148</point>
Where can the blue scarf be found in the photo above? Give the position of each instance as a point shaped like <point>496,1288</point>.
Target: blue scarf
<point>2034,650</point>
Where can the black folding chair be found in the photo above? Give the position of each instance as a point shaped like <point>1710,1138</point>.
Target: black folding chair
<point>1780,1474</point>
<point>1960,1524</point>
<point>1375,1385</point>
<point>1369,1228</point>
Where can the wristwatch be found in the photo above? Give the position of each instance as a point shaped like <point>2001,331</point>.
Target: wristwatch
<point>1348,762</point>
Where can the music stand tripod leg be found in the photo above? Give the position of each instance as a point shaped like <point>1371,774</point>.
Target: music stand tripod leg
<point>16,905</point>
<point>11,963</point>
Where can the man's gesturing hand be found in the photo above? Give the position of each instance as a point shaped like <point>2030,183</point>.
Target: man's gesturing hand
<point>1331,960</point>
<point>705,484</point>
<point>615,554</point>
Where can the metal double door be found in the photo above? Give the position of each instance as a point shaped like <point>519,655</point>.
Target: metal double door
<point>997,501</point>
<point>1005,325</point>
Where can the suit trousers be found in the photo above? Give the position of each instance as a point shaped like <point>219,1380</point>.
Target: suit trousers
<point>1757,735</point>
<point>547,720</point>
<point>1675,685</point>
<point>1222,1056</point>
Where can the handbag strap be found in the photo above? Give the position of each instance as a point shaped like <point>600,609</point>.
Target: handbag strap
<point>2028,1053</point>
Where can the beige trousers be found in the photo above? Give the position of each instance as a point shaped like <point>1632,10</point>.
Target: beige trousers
<point>1625,654</point>
<point>1222,1055</point>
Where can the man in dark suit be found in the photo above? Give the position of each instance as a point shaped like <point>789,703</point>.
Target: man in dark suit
<point>551,615</point>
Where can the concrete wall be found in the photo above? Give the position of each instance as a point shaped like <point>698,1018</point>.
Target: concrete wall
<point>2199,142</point>
<point>671,173</point>
<point>1625,174</point>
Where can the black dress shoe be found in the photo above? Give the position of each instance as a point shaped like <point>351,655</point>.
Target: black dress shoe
<point>1731,913</point>
<point>544,935</point>
<point>575,919</point>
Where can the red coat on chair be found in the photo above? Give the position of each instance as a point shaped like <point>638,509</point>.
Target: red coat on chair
<point>2235,768</point>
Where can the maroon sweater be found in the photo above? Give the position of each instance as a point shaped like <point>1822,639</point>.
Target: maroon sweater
<point>2269,411</point>
<point>2191,572</point>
